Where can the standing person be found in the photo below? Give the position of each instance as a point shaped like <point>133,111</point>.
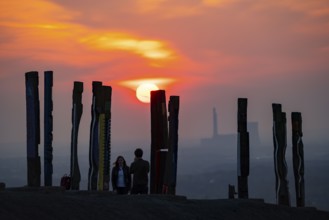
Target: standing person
<point>121,178</point>
<point>139,169</point>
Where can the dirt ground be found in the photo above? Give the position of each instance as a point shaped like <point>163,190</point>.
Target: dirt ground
<point>56,203</point>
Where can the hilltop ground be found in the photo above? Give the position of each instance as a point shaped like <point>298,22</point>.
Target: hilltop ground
<point>56,203</point>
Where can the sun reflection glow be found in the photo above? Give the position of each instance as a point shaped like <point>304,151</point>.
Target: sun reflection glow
<point>162,83</point>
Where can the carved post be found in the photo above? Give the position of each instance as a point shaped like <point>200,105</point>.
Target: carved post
<point>159,139</point>
<point>107,147</point>
<point>32,128</point>
<point>280,165</point>
<point>243,149</point>
<point>48,128</point>
<point>101,140</point>
<point>171,161</point>
<point>76,116</point>
<point>93,142</point>
<point>104,138</point>
<point>298,157</point>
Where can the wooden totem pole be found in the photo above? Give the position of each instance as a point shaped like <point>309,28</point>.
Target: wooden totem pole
<point>159,140</point>
<point>32,128</point>
<point>94,133</point>
<point>280,165</point>
<point>298,157</point>
<point>48,128</point>
<point>243,149</point>
<point>171,163</point>
<point>104,139</point>
<point>76,116</point>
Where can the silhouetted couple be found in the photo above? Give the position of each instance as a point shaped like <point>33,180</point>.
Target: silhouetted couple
<point>121,175</point>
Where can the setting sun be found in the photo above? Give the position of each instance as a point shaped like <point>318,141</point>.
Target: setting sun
<point>143,91</point>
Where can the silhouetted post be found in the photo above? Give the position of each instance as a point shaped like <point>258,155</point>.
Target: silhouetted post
<point>231,191</point>
<point>243,149</point>
<point>159,139</point>
<point>107,147</point>
<point>76,116</point>
<point>171,161</point>
<point>93,141</point>
<point>103,138</point>
<point>48,128</point>
<point>280,165</point>
<point>32,128</point>
<point>298,157</point>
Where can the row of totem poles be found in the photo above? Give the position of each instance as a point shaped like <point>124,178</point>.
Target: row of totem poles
<point>164,136</point>
<point>164,141</point>
<point>280,145</point>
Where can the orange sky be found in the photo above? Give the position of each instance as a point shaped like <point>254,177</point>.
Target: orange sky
<point>209,52</point>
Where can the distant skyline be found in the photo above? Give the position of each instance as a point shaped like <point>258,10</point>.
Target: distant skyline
<point>210,53</point>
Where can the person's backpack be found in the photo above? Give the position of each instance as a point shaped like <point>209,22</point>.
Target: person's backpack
<point>66,181</point>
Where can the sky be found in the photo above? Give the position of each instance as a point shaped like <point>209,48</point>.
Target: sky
<point>207,52</point>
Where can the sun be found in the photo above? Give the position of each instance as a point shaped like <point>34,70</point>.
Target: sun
<point>143,92</point>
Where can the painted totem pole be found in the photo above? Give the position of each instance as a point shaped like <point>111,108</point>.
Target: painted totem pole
<point>280,165</point>
<point>243,149</point>
<point>100,138</point>
<point>298,157</point>
<point>104,139</point>
<point>48,128</point>
<point>171,163</point>
<point>33,128</point>
<point>159,140</point>
<point>76,116</point>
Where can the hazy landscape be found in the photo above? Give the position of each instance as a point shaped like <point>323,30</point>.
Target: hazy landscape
<point>205,172</point>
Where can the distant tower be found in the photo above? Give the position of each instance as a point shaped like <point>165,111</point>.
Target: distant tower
<point>215,128</point>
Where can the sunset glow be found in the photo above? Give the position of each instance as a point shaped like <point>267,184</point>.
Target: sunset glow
<point>161,83</point>
<point>150,49</point>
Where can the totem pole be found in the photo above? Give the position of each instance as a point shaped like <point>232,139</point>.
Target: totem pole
<point>280,165</point>
<point>33,128</point>
<point>298,157</point>
<point>48,128</point>
<point>171,162</point>
<point>76,116</point>
<point>107,149</point>
<point>93,142</point>
<point>243,149</point>
<point>104,138</point>
<point>159,140</point>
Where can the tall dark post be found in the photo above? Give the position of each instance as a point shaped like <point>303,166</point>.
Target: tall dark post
<point>171,161</point>
<point>32,128</point>
<point>104,102</point>
<point>298,157</point>
<point>76,116</point>
<point>159,140</point>
<point>280,165</point>
<point>107,147</point>
<point>243,149</point>
<point>101,139</point>
<point>48,128</point>
<point>93,142</point>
